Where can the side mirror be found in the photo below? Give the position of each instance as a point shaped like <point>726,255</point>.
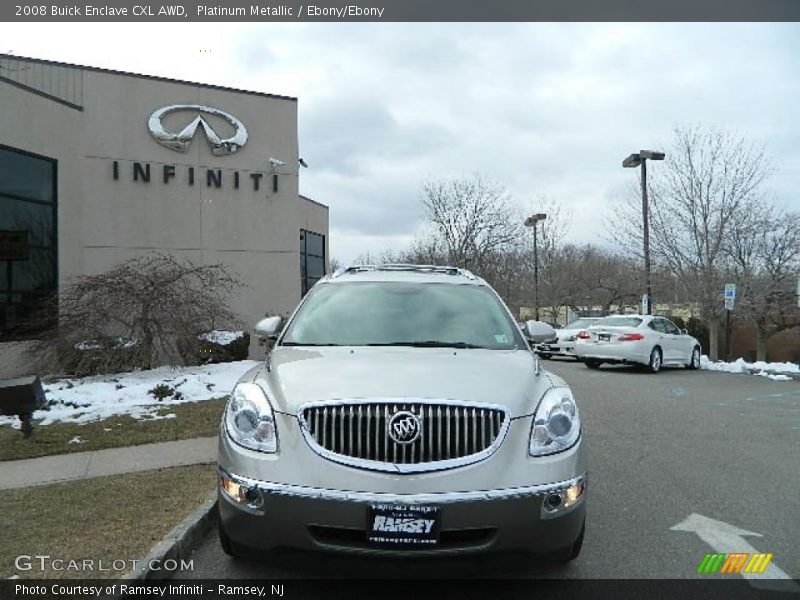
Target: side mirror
<point>268,328</point>
<point>685,331</point>
<point>539,331</point>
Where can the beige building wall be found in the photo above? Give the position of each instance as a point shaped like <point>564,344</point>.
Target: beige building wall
<point>88,119</point>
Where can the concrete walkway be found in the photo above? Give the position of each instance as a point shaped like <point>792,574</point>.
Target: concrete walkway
<point>97,463</point>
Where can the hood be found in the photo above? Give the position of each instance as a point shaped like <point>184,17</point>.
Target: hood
<point>298,376</point>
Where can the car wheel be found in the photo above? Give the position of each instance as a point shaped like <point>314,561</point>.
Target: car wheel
<point>572,552</point>
<point>654,366</point>
<point>694,360</point>
<point>593,364</point>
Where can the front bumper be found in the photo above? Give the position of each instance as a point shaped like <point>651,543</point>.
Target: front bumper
<point>557,348</point>
<point>284,515</point>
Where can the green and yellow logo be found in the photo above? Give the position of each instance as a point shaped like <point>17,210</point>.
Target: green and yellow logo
<point>735,562</point>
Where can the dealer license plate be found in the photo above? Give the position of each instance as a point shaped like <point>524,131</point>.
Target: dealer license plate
<point>391,524</point>
<point>604,337</point>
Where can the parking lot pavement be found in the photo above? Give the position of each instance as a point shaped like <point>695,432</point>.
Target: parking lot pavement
<point>724,448</point>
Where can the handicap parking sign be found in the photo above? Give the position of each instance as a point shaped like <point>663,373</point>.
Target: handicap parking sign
<point>730,291</point>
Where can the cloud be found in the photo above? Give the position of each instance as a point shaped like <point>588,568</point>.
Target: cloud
<point>545,108</point>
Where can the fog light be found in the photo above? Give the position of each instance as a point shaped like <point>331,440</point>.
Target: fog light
<point>233,489</point>
<point>239,493</point>
<point>572,493</point>
<point>553,501</point>
<point>251,496</point>
<point>558,502</point>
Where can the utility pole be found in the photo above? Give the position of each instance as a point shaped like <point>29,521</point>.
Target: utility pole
<point>532,221</point>
<point>648,288</point>
<point>636,160</point>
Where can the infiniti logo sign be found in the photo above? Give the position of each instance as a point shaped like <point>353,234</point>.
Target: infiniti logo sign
<point>180,141</point>
<point>404,427</point>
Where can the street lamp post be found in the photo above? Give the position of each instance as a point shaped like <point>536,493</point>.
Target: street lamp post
<point>632,161</point>
<point>531,222</point>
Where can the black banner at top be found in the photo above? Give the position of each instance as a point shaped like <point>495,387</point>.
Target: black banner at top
<point>400,10</point>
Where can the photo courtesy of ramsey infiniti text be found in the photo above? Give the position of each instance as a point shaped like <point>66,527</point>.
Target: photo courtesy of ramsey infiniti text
<point>401,411</point>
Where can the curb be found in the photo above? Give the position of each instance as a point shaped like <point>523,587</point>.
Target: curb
<point>178,543</point>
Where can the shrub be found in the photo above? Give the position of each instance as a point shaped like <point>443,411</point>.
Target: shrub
<point>161,391</point>
<point>216,348</point>
<point>143,312</point>
<point>696,328</point>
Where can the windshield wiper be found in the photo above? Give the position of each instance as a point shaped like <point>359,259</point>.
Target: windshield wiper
<point>430,344</point>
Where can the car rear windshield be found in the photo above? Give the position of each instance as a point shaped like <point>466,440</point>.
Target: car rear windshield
<point>581,324</point>
<point>619,322</point>
<point>403,314</point>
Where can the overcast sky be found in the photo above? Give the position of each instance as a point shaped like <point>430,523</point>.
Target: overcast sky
<point>546,109</point>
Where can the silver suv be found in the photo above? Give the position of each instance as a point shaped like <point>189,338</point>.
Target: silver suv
<point>402,412</point>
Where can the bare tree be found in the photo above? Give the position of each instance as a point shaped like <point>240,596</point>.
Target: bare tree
<point>471,217</point>
<point>144,311</point>
<point>710,178</point>
<point>764,252</point>
<point>604,278</point>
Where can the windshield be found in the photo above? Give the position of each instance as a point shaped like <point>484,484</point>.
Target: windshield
<point>581,323</point>
<point>403,314</point>
<point>619,322</point>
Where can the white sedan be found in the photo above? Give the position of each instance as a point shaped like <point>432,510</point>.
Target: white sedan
<point>637,340</point>
<point>563,342</point>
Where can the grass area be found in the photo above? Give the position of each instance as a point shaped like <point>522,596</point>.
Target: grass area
<point>109,518</point>
<point>193,419</point>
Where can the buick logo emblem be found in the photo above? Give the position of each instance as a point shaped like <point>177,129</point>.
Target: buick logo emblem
<point>181,140</point>
<point>404,427</point>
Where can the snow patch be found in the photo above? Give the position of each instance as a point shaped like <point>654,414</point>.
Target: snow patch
<point>103,396</point>
<point>774,376</point>
<point>221,337</point>
<point>770,370</point>
<point>77,440</point>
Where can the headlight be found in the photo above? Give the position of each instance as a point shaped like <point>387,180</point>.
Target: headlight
<point>249,419</point>
<point>556,423</point>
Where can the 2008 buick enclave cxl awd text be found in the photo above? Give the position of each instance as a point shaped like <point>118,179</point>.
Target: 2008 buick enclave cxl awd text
<point>402,412</point>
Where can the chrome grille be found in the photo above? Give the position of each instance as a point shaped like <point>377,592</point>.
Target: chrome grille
<point>359,431</point>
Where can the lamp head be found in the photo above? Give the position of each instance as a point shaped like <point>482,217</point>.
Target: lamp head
<point>634,160</point>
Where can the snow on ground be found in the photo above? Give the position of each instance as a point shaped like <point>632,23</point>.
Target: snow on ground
<point>102,396</point>
<point>774,376</point>
<point>221,337</point>
<point>773,371</point>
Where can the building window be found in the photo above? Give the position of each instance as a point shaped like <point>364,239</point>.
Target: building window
<point>312,258</point>
<point>28,242</point>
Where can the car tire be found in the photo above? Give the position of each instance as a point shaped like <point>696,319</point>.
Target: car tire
<point>228,547</point>
<point>694,359</point>
<point>656,360</point>
<point>593,364</point>
<point>572,552</point>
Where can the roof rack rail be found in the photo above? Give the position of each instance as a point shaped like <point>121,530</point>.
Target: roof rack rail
<point>405,267</point>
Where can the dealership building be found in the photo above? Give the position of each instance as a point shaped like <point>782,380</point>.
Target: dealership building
<point>99,166</point>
